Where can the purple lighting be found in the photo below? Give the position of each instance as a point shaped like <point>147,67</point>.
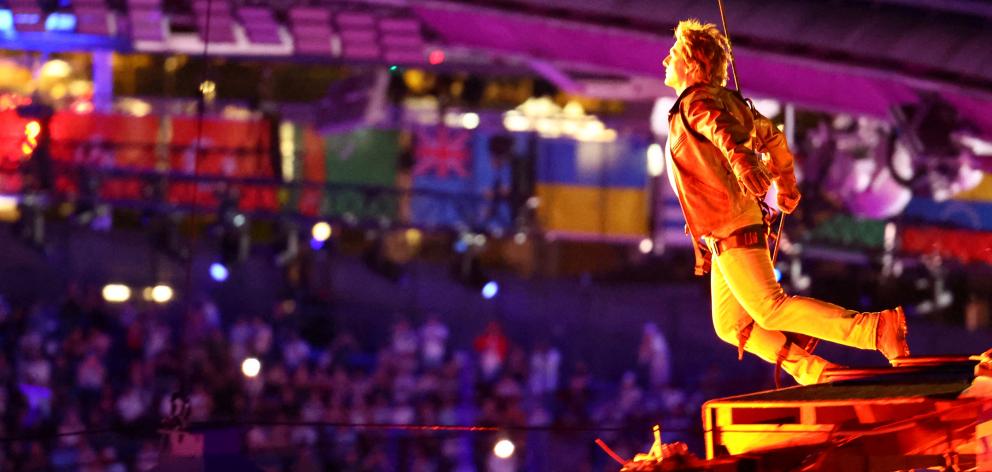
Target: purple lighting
<point>218,272</point>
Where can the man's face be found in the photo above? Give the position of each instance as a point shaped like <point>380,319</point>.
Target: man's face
<point>675,68</point>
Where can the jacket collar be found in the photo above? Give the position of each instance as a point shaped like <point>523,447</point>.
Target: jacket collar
<point>685,93</point>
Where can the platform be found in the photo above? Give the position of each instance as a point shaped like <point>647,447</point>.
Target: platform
<point>917,414</point>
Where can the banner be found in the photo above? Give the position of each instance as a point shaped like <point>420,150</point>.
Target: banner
<point>104,141</point>
<point>228,148</point>
<point>592,190</point>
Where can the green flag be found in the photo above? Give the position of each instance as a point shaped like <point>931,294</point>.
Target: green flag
<point>365,157</point>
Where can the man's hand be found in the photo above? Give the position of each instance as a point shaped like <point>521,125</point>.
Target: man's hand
<point>788,199</point>
<point>755,180</point>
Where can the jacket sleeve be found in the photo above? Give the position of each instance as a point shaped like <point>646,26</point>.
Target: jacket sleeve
<point>772,141</point>
<point>708,116</point>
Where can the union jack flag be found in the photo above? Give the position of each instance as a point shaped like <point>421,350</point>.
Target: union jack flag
<point>442,150</point>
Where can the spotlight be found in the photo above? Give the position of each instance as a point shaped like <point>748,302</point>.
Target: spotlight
<point>470,121</point>
<point>778,275</point>
<point>116,293</point>
<point>656,160</point>
<point>490,289</point>
<point>435,57</point>
<point>520,238</point>
<point>251,367</point>
<point>645,246</point>
<point>316,244</point>
<point>321,231</point>
<point>504,448</point>
<point>161,293</point>
<point>218,272</point>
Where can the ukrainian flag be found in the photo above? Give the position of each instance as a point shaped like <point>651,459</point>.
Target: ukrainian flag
<point>593,190</point>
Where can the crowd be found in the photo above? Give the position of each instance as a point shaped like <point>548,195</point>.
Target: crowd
<point>80,364</point>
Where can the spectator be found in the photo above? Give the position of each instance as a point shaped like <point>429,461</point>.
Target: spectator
<point>654,358</point>
<point>491,346</point>
<point>544,363</point>
<point>434,341</point>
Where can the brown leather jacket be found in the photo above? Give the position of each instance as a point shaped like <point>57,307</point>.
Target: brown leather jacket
<point>714,136</point>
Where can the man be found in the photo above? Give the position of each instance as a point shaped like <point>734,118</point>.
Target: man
<point>713,145</point>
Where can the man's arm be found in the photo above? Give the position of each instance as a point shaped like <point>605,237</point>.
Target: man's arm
<point>707,116</point>
<point>772,141</point>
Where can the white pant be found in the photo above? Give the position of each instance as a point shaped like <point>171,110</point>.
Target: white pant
<point>743,288</point>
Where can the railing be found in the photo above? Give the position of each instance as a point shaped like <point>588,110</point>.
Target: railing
<point>262,197</point>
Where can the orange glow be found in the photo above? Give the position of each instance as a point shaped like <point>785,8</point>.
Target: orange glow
<point>9,101</point>
<point>31,131</point>
<point>82,107</point>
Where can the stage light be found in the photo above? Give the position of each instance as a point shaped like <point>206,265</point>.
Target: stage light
<point>116,293</point>
<point>516,121</point>
<point>161,293</point>
<point>239,220</point>
<point>435,57</point>
<point>778,275</point>
<point>251,367</point>
<point>321,231</point>
<point>520,238</point>
<point>490,290</point>
<point>393,68</point>
<point>55,69</point>
<point>209,90</point>
<point>316,244</point>
<point>461,245</point>
<point>32,130</point>
<point>470,121</point>
<point>9,208</point>
<point>645,246</point>
<point>60,22</point>
<point>208,87</point>
<point>656,160</point>
<point>6,20</point>
<point>504,449</point>
<point>413,237</point>
<point>218,272</point>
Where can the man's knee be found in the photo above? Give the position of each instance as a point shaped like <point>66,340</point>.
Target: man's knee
<point>728,333</point>
<point>765,312</point>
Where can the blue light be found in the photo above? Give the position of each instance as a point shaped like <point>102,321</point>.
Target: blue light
<point>461,245</point>
<point>27,18</point>
<point>778,275</point>
<point>316,244</point>
<point>6,20</point>
<point>218,272</point>
<point>60,22</point>
<point>490,290</point>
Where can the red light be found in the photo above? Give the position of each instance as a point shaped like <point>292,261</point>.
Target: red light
<point>436,57</point>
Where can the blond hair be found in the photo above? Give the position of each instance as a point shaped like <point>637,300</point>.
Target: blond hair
<point>705,50</point>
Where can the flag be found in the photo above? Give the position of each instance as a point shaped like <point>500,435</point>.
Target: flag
<point>458,182</point>
<point>593,190</point>
<point>363,163</point>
